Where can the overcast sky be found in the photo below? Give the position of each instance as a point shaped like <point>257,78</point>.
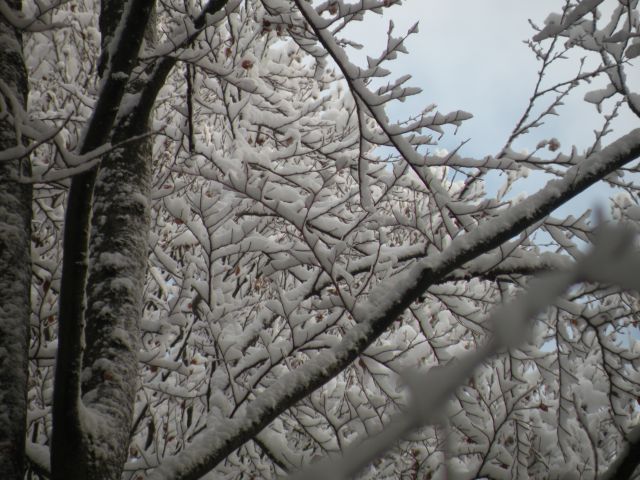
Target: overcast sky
<point>471,55</point>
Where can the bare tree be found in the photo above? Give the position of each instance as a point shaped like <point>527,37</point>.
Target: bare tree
<point>230,277</point>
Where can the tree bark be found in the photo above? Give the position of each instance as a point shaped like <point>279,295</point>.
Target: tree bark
<point>117,270</point>
<point>15,258</point>
<point>78,432</point>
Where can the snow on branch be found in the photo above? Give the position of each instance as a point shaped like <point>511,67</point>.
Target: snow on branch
<point>375,105</point>
<point>388,300</point>
<point>613,260</point>
<point>556,24</point>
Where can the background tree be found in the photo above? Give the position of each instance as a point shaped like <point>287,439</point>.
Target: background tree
<point>212,181</point>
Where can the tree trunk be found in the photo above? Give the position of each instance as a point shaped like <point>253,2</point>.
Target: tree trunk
<point>15,259</point>
<point>117,269</point>
<point>107,270</point>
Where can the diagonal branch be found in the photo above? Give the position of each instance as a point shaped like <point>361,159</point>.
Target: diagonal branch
<point>431,390</point>
<point>386,303</point>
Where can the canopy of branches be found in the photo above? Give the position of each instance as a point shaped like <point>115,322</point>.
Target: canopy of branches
<point>239,265</point>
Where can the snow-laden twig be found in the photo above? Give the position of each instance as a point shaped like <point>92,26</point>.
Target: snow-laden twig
<point>613,260</point>
<point>385,303</point>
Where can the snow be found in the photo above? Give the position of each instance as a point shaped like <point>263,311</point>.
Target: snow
<point>556,23</point>
<point>39,455</point>
<point>384,297</point>
<point>598,96</point>
<point>295,276</point>
<point>114,260</point>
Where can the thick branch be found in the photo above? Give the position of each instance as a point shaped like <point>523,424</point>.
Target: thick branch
<point>384,305</point>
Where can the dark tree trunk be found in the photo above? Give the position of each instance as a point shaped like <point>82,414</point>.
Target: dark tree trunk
<point>15,260</point>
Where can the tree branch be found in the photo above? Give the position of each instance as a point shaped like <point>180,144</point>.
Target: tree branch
<point>384,304</point>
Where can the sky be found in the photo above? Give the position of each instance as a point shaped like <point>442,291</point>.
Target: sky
<point>470,55</point>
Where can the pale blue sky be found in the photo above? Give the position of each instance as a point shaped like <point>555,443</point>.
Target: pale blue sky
<point>470,55</point>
